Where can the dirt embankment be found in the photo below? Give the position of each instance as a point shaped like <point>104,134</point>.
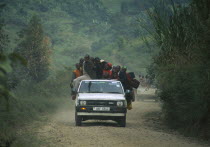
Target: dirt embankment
<point>144,129</point>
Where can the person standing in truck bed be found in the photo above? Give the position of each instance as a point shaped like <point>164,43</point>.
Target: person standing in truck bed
<point>75,74</point>
<point>88,73</point>
<point>125,80</point>
<point>98,68</point>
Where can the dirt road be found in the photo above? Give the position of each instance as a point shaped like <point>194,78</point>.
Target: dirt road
<point>144,129</point>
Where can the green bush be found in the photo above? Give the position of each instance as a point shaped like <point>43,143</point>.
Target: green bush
<point>182,65</point>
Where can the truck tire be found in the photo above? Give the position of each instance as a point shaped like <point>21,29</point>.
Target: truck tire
<point>122,121</point>
<point>78,119</point>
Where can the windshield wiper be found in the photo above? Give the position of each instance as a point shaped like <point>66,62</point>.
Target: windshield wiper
<point>95,92</point>
<point>91,92</point>
<point>114,92</point>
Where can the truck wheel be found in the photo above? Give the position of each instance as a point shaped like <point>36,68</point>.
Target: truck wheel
<point>122,121</point>
<point>78,119</point>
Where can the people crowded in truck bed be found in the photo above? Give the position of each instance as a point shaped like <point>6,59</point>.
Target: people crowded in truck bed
<point>96,68</point>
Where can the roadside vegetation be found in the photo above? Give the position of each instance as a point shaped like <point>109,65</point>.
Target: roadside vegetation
<point>26,88</point>
<point>182,65</point>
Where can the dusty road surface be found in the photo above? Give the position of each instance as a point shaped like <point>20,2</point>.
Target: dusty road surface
<point>144,129</point>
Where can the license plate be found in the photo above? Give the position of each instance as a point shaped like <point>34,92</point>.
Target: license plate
<point>101,108</point>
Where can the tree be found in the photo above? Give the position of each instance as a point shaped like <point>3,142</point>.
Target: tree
<point>3,36</point>
<point>35,49</point>
<point>6,63</point>
<point>5,66</point>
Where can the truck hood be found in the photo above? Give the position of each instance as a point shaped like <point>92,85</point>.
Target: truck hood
<point>100,96</point>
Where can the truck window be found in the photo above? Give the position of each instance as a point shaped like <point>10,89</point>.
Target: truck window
<point>101,87</point>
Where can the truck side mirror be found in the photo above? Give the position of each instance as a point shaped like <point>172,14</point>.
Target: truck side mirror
<point>127,91</point>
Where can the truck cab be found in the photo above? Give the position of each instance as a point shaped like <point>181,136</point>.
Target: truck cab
<point>100,100</point>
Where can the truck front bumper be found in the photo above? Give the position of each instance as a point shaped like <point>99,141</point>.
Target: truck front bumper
<point>87,111</point>
<point>99,114</point>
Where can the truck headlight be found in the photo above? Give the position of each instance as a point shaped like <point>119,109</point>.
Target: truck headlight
<point>82,103</point>
<point>119,103</point>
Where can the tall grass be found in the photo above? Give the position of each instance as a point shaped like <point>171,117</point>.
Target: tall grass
<point>182,65</point>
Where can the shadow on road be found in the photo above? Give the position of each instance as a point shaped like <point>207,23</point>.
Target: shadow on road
<point>97,123</point>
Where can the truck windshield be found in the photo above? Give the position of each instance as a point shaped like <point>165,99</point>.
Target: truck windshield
<point>101,87</point>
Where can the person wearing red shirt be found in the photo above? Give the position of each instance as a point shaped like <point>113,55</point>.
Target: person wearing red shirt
<point>107,73</point>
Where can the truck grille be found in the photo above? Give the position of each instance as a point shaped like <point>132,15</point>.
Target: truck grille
<point>101,103</point>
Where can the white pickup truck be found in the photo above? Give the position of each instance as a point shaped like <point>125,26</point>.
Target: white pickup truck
<point>100,100</point>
